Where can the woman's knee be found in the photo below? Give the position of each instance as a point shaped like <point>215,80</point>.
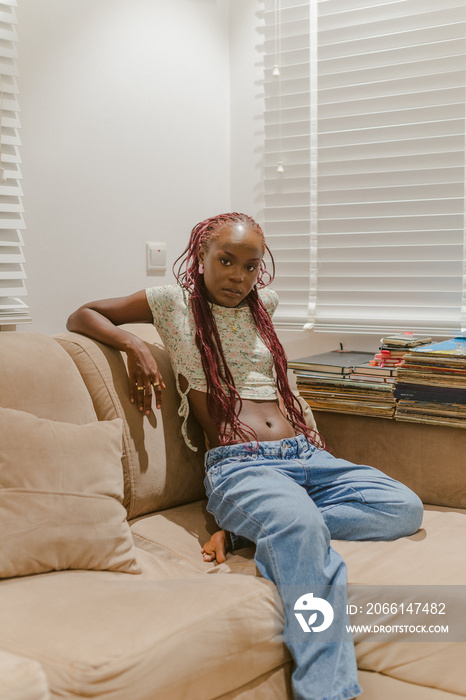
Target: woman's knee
<point>301,527</point>
<point>410,511</point>
<point>415,511</point>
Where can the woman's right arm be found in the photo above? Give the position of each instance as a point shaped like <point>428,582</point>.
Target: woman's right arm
<point>100,320</point>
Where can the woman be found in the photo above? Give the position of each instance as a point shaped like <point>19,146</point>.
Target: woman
<point>268,478</point>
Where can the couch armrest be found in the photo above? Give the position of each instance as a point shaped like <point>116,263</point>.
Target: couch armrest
<point>22,678</point>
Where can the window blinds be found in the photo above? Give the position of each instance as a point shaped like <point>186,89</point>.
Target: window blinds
<point>379,221</point>
<point>287,154</point>
<point>13,309</point>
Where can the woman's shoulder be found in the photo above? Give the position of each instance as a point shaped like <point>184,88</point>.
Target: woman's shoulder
<point>165,294</point>
<point>269,298</point>
<point>166,300</point>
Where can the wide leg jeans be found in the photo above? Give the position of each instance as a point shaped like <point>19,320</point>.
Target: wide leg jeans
<point>290,498</point>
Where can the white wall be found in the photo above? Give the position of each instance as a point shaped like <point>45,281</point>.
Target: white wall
<point>138,120</point>
<point>247,107</point>
<point>126,138</point>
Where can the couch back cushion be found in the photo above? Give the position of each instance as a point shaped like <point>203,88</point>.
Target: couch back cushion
<point>160,471</point>
<point>38,376</point>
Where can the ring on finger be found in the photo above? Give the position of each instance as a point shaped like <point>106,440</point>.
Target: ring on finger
<point>141,388</point>
<point>155,383</point>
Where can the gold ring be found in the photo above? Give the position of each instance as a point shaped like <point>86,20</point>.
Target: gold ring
<point>140,388</point>
<point>155,383</point>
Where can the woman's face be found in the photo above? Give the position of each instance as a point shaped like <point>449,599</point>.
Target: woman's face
<point>231,262</point>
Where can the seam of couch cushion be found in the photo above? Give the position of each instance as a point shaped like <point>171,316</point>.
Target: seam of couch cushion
<point>115,403</point>
<point>240,562</point>
<point>164,546</point>
<point>207,567</point>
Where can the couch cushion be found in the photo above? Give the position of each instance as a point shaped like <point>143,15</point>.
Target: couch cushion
<point>276,686</point>
<point>38,376</point>
<point>61,493</point>
<point>181,637</point>
<point>159,469</point>
<point>178,534</point>
<point>425,566</point>
<point>430,556</point>
<point>377,686</point>
<point>399,568</point>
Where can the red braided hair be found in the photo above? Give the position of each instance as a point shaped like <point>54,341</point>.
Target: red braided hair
<point>224,406</point>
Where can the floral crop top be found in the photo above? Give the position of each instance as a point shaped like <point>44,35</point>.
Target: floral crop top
<point>248,359</point>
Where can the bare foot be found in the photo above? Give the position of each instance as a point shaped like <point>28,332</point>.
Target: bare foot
<point>216,547</point>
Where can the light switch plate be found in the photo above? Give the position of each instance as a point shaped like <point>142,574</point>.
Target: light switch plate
<point>156,257</point>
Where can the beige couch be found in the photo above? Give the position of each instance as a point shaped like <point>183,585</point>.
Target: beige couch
<point>181,628</point>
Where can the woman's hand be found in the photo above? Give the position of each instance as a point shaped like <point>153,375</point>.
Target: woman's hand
<point>144,377</point>
<point>216,547</point>
<point>101,320</point>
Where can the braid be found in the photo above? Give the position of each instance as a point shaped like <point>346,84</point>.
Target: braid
<point>268,334</point>
<point>223,400</point>
<point>223,406</point>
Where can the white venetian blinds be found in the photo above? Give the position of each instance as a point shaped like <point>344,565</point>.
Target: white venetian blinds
<point>13,309</point>
<point>287,153</point>
<point>382,220</point>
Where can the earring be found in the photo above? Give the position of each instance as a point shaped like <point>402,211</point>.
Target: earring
<point>201,269</point>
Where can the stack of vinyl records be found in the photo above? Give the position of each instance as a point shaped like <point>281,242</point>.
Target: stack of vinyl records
<point>328,383</point>
<point>431,384</point>
<point>384,365</point>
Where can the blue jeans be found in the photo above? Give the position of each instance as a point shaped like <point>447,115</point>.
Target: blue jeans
<point>289,498</point>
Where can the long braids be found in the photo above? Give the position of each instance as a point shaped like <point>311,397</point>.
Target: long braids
<point>224,405</point>
<point>268,334</point>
